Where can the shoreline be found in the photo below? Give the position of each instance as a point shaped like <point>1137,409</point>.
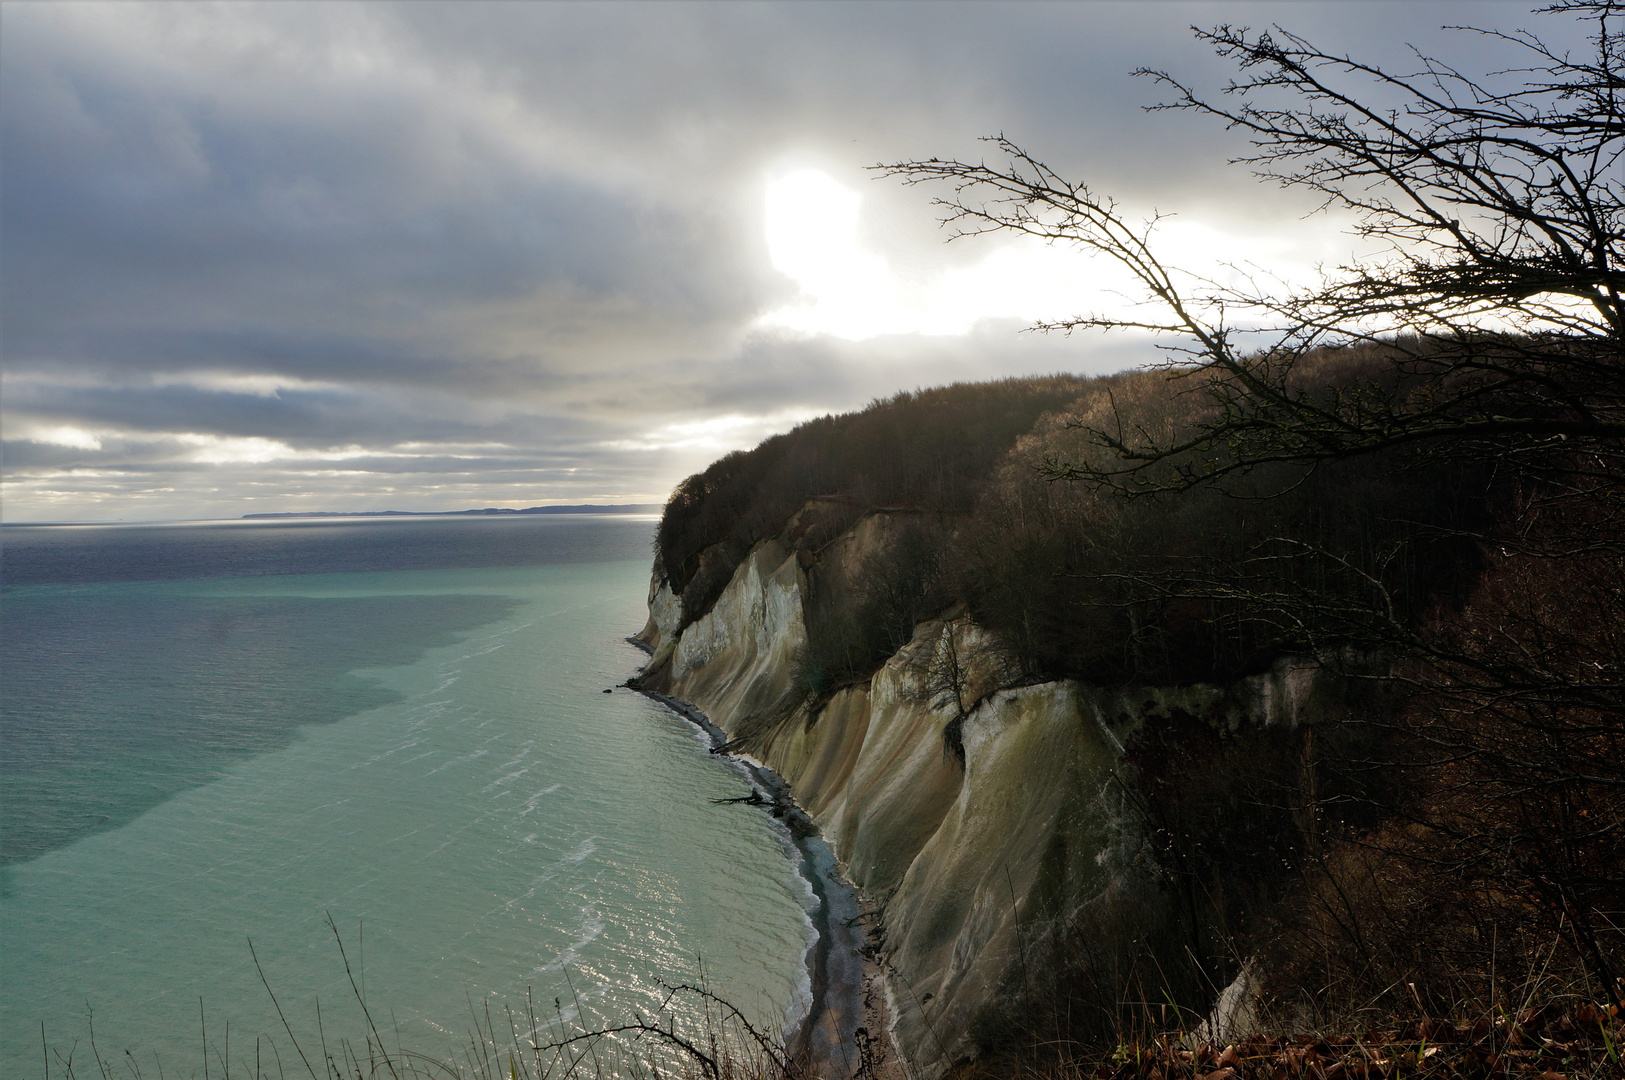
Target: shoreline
<point>836,967</point>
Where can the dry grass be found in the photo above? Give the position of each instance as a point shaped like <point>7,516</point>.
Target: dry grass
<point>717,1044</point>
<point>694,1034</point>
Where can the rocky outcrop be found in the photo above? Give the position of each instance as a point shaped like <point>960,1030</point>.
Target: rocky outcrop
<point>659,633</point>
<point>982,865</point>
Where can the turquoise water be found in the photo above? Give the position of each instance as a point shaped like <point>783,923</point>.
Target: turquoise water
<point>478,818</point>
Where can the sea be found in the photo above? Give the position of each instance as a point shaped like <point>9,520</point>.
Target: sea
<point>272,789</point>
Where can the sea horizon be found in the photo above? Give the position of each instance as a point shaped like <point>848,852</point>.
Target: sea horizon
<point>584,509</point>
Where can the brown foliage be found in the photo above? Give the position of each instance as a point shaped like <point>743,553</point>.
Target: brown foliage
<point>1446,498</point>
<point>1558,1040</point>
<point>1216,581</point>
<point>925,450</point>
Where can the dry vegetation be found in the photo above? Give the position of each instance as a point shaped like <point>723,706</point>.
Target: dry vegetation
<point>1447,837</point>
<point>924,449</point>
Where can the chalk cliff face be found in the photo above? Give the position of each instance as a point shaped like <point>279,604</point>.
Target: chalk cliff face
<point>985,865</point>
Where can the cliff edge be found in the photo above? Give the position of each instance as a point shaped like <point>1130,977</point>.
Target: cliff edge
<point>994,822</point>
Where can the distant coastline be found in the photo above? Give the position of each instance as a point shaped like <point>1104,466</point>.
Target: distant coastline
<point>584,508</point>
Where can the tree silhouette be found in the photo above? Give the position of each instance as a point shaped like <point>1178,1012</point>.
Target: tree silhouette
<point>1497,297</point>
<point>1487,330</point>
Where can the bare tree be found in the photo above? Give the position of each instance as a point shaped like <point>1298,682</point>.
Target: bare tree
<point>1490,328</point>
<point>1499,296</point>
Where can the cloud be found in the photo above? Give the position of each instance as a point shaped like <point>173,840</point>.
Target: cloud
<point>268,256</point>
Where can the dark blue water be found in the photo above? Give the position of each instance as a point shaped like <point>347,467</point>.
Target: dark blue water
<point>103,684</point>
<point>72,554</point>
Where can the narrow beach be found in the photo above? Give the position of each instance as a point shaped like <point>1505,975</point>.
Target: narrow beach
<point>827,1035</point>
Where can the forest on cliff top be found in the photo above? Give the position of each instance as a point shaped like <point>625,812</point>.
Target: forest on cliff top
<point>1469,817</point>
<point>1410,473</point>
<point>1077,581</point>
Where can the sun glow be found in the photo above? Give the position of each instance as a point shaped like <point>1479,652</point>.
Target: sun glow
<point>812,237</point>
<point>849,290</point>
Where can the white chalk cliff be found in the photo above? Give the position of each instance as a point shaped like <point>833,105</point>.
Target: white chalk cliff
<point>982,866</point>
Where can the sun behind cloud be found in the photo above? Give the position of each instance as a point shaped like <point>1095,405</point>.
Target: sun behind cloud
<point>849,290</point>
<point>812,238</point>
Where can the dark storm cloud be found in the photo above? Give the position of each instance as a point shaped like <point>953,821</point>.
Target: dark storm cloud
<point>139,220</point>
<point>319,252</point>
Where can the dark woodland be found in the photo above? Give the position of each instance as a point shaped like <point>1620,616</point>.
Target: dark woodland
<point>1409,472</point>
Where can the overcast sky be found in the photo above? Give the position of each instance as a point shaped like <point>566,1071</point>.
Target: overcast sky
<point>328,256</point>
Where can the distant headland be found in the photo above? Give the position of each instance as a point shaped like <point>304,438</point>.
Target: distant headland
<point>490,511</point>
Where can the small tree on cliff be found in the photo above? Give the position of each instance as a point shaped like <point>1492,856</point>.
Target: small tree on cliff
<point>1492,328</point>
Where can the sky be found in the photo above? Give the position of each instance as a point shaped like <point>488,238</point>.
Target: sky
<point>299,256</point>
